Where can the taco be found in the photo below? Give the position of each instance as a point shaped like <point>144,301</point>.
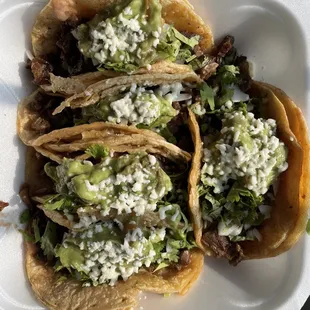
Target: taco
<point>108,225</point>
<point>71,38</point>
<point>247,186</point>
<point>155,102</point>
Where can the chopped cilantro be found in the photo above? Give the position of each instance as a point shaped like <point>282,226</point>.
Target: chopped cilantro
<point>207,95</point>
<point>36,231</point>
<point>308,227</point>
<point>49,240</point>
<point>97,151</point>
<point>24,217</point>
<point>192,42</point>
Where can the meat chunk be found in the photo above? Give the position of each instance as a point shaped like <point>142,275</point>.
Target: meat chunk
<point>24,195</point>
<point>198,51</point>
<point>3,205</point>
<point>225,46</point>
<point>244,68</point>
<point>41,125</point>
<point>209,69</point>
<point>185,258</point>
<point>72,61</point>
<point>176,105</point>
<point>41,70</point>
<point>223,247</point>
<point>65,9</point>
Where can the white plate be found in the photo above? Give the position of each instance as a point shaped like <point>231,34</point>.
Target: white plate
<point>273,35</point>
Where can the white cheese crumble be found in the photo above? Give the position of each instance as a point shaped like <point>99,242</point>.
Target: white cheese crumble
<point>249,158</point>
<point>107,261</point>
<point>143,106</point>
<point>171,92</point>
<point>121,34</point>
<point>136,190</point>
<point>163,210</point>
<point>138,106</point>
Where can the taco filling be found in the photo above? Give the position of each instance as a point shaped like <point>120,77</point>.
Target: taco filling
<point>242,158</point>
<point>119,215</point>
<point>140,102</point>
<point>124,37</point>
<point>159,108</point>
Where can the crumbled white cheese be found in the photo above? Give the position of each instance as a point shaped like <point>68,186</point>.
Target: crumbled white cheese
<point>251,161</point>
<point>127,197</point>
<point>121,34</point>
<point>162,211</point>
<point>107,261</point>
<point>138,106</point>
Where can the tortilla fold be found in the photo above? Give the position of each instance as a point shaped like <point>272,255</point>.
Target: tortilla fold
<point>289,212</point>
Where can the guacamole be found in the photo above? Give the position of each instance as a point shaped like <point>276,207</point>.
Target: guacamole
<point>129,183</point>
<point>140,106</point>
<point>130,36</point>
<point>105,252</point>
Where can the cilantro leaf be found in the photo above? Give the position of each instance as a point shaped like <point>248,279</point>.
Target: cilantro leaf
<point>185,55</point>
<point>49,240</point>
<point>161,266</point>
<point>192,42</point>
<point>58,202</point>
<point>51,171</point>
<point>24,217</point>
<point>207,95</point>
<point>236,191</point>
<point>308,227</point>
<point>36,230</point>
<point>228,75</point>
<point>226,94</point>
<point>97,151</point>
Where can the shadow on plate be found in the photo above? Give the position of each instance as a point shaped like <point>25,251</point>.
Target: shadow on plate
<point>271,281</point>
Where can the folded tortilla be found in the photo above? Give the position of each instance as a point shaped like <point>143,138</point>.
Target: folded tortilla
<point>28,116</point>
<point>45,33</point>
<point>58,293</point>
<point>289,212</point>
<point>76,84</point>
<point>179,13</point>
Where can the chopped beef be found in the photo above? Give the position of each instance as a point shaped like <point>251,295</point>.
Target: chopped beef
<point>28,64</point>
<point>198,51</point>
<point>185,258</point>
<point>225,46</point>
<point>188,34</point>
<point>41,125</point>
<point>44,105</point>
<point>244,68</point>
<point>230,57</point>
<point>41,70</point>
<point>176,105</point>
<point>209,69</point>
<point>179,129</point>
<point>72,61</point>
<point>67,61</point>
<point>179,120</point>
<point>3,205</point>
<point>25,196</point>
<point>223,247</point>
